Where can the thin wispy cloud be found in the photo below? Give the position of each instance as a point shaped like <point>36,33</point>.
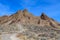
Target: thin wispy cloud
<point>4,10</point>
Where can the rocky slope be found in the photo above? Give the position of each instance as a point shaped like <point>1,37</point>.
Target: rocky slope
<point>24,26</point>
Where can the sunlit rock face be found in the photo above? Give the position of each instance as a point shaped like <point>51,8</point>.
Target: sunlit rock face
<point>24,26</point>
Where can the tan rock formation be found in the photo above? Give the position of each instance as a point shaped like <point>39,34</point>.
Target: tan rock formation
<point>25,17</point>
<point>24,26</point>
<point>44,17</point>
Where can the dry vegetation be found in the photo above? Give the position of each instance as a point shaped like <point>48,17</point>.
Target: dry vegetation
<point>25,26</point>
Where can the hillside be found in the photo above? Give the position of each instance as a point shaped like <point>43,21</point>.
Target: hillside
<point>24,26</point>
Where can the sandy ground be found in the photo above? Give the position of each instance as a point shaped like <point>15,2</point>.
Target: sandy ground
<point>8,37</point>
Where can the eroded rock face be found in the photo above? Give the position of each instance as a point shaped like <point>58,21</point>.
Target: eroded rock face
<point>24,26</point>
<point>25,17</point>
<point>44,17</point>
<point>33,32</point>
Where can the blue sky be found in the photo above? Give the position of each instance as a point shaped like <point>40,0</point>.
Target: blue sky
<point>36,7</point>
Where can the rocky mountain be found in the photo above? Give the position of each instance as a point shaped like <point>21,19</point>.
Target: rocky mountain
<point>24,26</point>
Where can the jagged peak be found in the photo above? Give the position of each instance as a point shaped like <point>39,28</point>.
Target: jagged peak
<point>26,13</point>
<point>43,16</point>
<point>25,17</point>
<point>19,12</point>
<point>25,10</point>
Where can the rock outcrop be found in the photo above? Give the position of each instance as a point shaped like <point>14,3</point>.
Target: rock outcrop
<point>44,17</point>
<point>24,26</point>
<point>25,17</point>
